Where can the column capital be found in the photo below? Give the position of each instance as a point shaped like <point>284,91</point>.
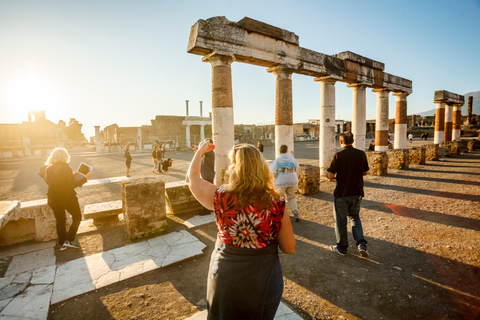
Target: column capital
<point>327,79</point>
<point>457,105</point>
<point>356,86</point>
<point>283,71</point>
<point>380,90</point>
<point>400,94</point>
<point>219,59</point>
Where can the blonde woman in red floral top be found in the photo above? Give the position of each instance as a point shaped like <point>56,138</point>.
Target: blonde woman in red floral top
<point>245,277</point>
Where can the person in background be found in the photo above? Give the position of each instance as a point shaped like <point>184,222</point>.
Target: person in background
<point>155,159</point>
<point>62,196</point>
<point>167,164</point>
<point>159,158</point>
<point>348,167</point>
<point>128,160</point>
<point>285,169</point>
<point>207,168</point>
<point>245,276</point>
<point>260,146</point>
<point>371,147</point>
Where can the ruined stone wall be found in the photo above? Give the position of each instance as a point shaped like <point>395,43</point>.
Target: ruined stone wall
<point>455,147</point>
<point>398,159</point>
<point>144,206</point>
<point>416,155</point>
<point>378,163</point>
<point>308,179</point>
<point>431,152</point>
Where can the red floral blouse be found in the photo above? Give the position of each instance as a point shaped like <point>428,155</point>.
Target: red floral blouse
<point>252,227</point>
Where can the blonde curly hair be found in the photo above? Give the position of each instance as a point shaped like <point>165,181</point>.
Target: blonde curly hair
<point>250,178</point>
<point>58,155</point>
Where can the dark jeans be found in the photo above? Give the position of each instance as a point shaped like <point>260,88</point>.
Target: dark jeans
<point>348,207</point>
<point>275,291</point>
<point>59,211</point>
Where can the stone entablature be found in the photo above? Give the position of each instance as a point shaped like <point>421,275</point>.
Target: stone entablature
<point>448,97</point>
<point>254,42</point>
<point>377,162</point>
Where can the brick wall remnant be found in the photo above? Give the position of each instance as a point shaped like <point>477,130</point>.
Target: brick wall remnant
<point>308,179</point>
<point>416,155</point>
<point>144,206</point>
<point>378,163</point>
<point>398,159</point>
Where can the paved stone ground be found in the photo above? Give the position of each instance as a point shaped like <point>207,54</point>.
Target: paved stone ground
<point>422,224</point>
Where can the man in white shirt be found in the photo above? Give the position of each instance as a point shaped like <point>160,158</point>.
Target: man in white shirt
<point>284,169</point>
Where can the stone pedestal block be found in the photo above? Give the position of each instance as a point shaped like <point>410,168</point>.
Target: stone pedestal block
<point>378,163</point>
<point>471,145</point>
<point>416,155</point>
<point>455,147</point>
<point>144,205</point>
<point>180,199</point>
<point>444,151</point>
<point>32,220</point>
<point>431,152</point>
<point>398,159</point>
<point>308,179</point>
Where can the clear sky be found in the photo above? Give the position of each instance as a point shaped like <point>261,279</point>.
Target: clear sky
<point>124,62</point>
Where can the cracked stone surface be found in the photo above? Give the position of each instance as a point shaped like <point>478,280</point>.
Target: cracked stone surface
<point>31,261</point>
<point>199,220</point>
<point>89,273</point>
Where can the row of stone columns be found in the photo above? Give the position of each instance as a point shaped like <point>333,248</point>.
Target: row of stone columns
<point>447,122</point>
<point>223,124</point>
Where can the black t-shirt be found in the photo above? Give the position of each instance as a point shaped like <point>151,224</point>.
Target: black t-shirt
<point>349,164</point>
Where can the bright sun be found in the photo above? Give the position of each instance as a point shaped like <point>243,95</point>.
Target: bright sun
<point>28,91</point>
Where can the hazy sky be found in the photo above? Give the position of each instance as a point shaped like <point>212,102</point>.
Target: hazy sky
<point>124,62</point>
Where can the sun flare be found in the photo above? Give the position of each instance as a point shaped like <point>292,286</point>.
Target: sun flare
<point>30,91</point>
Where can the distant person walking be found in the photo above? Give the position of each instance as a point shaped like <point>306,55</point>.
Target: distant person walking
<point>128,160</point>
<point>410,138</point>
<point>285,169</point>
<point>155,160</point>
<point>207,168</point>
<point>260,146</point>
<point>62,196</point>
<point>348,167</point>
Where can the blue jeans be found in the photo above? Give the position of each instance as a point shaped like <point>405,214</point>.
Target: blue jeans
<point>348,207</point>
<point>275,291</point>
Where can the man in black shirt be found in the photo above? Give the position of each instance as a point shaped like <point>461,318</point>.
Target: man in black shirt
<point>348,167</point>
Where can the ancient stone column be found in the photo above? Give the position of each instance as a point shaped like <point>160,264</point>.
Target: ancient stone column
<point>187,132</point>
<point>98,140</point>
<point>327,123</point>
<point>448,122</point>
<point>381,124</point>
<point>201,109</point>
<point>283,108</point>
<point>457,119</point>
<point>186,101</point>
<point>439,135</point>
<point>202,132</point>
<point>222,110</point>
<point>359,115</point>
<point>26,146</point>
<point>469,110</point>
<point>139,138</point>
<point>401,120</point>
